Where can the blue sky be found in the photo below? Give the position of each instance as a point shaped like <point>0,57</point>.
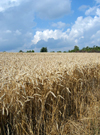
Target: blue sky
<point>55,24</point>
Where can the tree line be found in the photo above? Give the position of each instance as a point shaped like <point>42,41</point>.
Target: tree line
<point>86,49</point>
<point>76,49</point>
<point>43,49</point>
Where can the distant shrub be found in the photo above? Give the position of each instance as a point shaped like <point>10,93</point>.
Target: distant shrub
<point>30,51</point>
<point>44,49</point>
<point>52,51</point>
<point>20,51</point>
<point>59,51</point>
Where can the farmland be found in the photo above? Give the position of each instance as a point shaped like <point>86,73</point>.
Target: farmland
<point>49,93</point>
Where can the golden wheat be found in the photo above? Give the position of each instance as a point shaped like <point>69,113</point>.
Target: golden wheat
<point>49,93</point>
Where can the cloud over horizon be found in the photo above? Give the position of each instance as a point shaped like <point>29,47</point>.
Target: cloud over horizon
<point>17,18</point>
<point>81,32</point>
<point>31,24</point>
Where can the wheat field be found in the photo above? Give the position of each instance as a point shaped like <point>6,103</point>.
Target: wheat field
<point>49,94</point>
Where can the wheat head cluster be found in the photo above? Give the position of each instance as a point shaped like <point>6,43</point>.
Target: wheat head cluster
<point>49,94</point>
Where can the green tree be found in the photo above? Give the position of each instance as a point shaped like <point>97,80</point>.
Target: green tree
<point>59,51</point>
<point>44,49</point>
<point>76,48</point>
<point>29,51</point>
<point>33,51</point>
<point>20,51</point>
<point>86,49</point>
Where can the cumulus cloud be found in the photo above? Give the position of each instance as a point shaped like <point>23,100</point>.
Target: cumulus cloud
<point>98,12</point>
<point>55,45</point>
<point>84,28</point>
<point>80,33</point>
<point>17,22</point>
<point>46,34</point>
<point>17,19</point>
<point>91,11</point>
<point>95,38</point>
<point>77,31</point>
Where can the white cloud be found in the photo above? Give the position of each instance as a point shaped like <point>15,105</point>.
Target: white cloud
<point>1,9</point>
<point>5,4</point>
<point>18,32</point>
<point>76,41</point>
<point>68,30</point>
<point>86,31</point>
<point>46,34</point>
<point>43,8</point>
<point>59,25</point>
<point>8,31</point>
<point>81,37</point>
<point>83,7</point>
<point>96,35</point>
<point>93,11</point>
<point>80,33</point>
<point>98,12</point>
<point>18,20</point>
<point>84,24</point>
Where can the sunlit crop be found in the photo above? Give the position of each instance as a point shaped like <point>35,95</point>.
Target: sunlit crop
<point>49,94</point>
